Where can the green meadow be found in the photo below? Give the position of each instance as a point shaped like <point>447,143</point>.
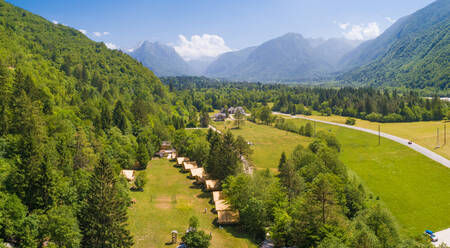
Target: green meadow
<point>414,188</point>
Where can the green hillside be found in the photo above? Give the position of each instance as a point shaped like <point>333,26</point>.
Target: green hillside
<point>72,114</point>
<point>413,52</point>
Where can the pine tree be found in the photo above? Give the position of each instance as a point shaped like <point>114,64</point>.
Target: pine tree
<point>204,119</point>
<point>119,118</point>
<point>283,160</point>
<point>104,216</point>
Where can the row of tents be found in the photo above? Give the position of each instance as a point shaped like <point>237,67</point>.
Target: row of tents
<point>225,214</point>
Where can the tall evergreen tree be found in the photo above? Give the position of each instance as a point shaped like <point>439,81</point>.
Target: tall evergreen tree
<point>119,118</point>
<point>104,217</point>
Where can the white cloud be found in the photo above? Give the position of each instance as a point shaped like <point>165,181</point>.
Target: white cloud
<point>342,26</point>
<point>110,45</point>
<point>83,31</point>
<point>100,34</point>
<point>55,22</point>
<point>200,46</point>
<point>367,31</point>
<point>389,19</point>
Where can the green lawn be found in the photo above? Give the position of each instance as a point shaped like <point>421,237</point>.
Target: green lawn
<point>166,204</point>
<point>268,143</point>
<point>414,188</point>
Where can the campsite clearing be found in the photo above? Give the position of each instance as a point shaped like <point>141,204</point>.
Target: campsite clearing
<point>167,202</point>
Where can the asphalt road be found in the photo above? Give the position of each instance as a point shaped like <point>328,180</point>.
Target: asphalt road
<point>443,237</point>
<point>416,147</point>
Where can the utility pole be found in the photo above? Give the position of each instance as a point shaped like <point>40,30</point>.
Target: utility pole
<point>379,135</point>
<point>315,128</point>
<point>437,139</point>
<point>445,133</point>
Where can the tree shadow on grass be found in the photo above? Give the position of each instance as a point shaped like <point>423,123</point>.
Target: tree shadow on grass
<point>204,195</point>
<point>195,186</point>
<point>235,230</point>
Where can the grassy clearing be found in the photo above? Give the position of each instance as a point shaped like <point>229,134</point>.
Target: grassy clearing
<point>422,133</point>
<point>268,142</point>
<point>166,204</point>
<point>414,188</point>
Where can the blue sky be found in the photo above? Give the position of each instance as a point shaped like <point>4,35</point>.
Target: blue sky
<point>228,24</point>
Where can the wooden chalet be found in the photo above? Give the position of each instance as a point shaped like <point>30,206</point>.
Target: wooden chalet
<point>198,174</point>
<point>217,195</point>
<point>181,160</point>
<point>226,215</point>
<point>128,174</point>
<point>188,165</point>
<point>212,185</point>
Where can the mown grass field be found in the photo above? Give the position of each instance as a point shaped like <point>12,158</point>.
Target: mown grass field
<point>423,133</point>
<point>166,204</point>
<point>414,188</point>
<point>268,143</point>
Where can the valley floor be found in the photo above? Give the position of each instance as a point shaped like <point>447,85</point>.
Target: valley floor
<point>412,186</point>
<point>423,133</point>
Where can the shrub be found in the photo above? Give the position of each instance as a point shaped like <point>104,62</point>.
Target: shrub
<point>196,239</point>
<point>350,121</point>
<point>374,117</point>
<point>140,181</point>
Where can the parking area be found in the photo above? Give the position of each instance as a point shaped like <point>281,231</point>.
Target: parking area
<point>443,237</point>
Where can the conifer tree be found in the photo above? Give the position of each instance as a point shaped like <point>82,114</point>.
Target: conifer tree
<point>104,216</point>
<point>119,118</point>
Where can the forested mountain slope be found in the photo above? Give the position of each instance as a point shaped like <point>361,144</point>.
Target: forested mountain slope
<point>72,114</point>
<point>413,52</point>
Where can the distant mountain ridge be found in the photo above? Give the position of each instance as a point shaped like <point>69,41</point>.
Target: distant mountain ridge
<point>162,59</point>
<point>290,57</point>
<point>413,52</point>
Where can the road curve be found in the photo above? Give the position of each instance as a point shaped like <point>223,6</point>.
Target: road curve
<point>416,147</point>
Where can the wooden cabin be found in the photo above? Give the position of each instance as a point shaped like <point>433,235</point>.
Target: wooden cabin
<point>180,160</point>
<point>227,217</point>
<point>198,174</point>
<point>217,195</point>
<point>128,174</point>
<point>212,185</point>
<point>188,165</point>
<point>165,145</point>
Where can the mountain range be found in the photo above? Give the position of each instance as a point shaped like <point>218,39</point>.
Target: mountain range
<point>162,59</point>
<point>413,52</point>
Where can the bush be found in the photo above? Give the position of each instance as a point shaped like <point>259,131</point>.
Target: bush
<point>392,118</point>
<point>374,117</point>
<point>309,131</point>
<point>140,181</point>
<point>350,121</point>
<point>196,239</point>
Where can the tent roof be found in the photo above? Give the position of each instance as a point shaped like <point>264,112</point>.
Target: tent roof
<point>197,172</point>
<point>227,217</point>
<point>217,195</point>
<point>211,184</point>
<point>187,165</point>
<point>129,174</point>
